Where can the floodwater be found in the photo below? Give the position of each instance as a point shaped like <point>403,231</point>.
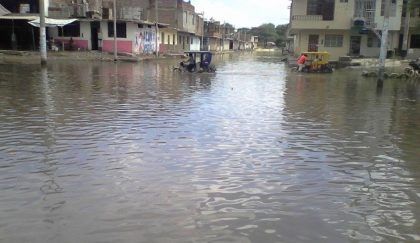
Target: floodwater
<point>104,152</point>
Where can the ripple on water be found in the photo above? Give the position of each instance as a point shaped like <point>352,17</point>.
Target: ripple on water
<point>116,153</point>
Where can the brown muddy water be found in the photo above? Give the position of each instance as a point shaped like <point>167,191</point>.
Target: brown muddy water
<point>104,152</point>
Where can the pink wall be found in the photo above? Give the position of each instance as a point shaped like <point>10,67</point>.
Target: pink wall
<point>122,46</point>
<point>82,44</point>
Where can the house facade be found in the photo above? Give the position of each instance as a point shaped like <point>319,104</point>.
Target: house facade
<point>180,27</point>
<point>94,29</point>
<point>410,27</point>
<point>343,27</point>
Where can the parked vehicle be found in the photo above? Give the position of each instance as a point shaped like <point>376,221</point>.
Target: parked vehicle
<point>317,62</point>
<point>198,62</point>
<point>414,68</point>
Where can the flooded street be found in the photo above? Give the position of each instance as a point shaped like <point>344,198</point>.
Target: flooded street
<point>132,152</point>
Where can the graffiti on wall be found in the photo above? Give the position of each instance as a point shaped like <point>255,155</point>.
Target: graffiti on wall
<point>145,42</point>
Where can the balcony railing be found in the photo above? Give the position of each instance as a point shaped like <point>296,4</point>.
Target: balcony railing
<point>307,17</point>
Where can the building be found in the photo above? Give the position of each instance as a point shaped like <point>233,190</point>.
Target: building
<point>410,36</point>
<point>180,28</point>
<point>94,29</point>
<point>213,36</point>
<point>15,32</point>
<point>184,26</point>
<point>343,27</point>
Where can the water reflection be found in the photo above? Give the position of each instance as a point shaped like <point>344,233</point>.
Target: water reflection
<point>121,152</point>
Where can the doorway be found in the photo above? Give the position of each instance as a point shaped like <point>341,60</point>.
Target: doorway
<point>313,43</point>
<point>94,33</point>
<point>355,45</point>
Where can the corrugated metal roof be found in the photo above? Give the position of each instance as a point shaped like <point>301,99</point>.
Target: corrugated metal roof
<point>3,10</point>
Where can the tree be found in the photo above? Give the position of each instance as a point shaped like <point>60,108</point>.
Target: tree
<point>266,33</point>
<point>282,33</point>
<point>271,33</point>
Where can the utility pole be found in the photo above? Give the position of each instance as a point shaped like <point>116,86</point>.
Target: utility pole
<point>202,36</point>
<point>384,45</point>
<point>42,33</point>
<point>406,28</point>
<point>115,31</point>
<point>157,28</point>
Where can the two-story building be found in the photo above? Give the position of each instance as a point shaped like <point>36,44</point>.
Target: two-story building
<point>185,26</point>
<point>94,29</point>
<point>343,27</point>
<point>213,40</point>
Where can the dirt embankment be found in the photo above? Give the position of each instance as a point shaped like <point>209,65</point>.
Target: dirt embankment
<point>28,57</point>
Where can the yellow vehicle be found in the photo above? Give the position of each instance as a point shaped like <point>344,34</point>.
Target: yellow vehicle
<point>317,62</point>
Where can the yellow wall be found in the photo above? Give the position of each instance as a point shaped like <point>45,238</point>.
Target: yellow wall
<point>343,16</point>
<point>302,39</point>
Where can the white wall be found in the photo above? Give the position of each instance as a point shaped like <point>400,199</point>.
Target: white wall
<point>195,46</point>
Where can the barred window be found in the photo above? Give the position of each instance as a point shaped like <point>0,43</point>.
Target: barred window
<point>333,41</point>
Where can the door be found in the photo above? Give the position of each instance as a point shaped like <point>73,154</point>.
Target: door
<point>355,45</point>
<point>313,43</point>
<point>94,35</point>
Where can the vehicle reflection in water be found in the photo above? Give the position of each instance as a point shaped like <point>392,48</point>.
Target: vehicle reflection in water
<point>254,153</point>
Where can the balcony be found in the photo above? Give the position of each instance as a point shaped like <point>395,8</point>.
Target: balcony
<point>319,22</point>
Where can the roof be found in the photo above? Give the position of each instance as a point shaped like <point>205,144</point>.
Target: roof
<point>3,10</point>
<point>160,25</point>
<point>52,22</point>
<point>20,16</point>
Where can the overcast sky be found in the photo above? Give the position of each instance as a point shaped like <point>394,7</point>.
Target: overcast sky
<point>245,13</point>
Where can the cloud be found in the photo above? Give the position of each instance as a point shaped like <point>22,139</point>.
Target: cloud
<point>245,13</point>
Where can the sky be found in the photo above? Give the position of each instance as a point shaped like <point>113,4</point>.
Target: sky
<point>245,13</point>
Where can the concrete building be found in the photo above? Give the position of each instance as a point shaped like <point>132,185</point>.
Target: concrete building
<point>184,26</point>
<point>15,32</point>
<point>410,26</point>
<point>213,36</point>
<point>180,27</point>
<point>94,29</point>
<point>343,27</point>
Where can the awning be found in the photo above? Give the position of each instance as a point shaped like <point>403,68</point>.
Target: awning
<point>52,22</point>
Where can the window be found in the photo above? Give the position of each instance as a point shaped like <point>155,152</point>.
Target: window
<point>192,41</point>
<point>193,19</point>
<point>333,41</point>
<point>321,7</point>
<point>392,10</point>
<point>121,30</point>
<point>173,39</point>
<point>185,17</point>
<point>163,38</point>
<point>71,30</point>
<point>169,39</point>
<point>415,41</point>
<point>344,1</point>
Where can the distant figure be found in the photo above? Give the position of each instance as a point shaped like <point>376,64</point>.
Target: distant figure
<point>71,43</point>
<point>301,62</point>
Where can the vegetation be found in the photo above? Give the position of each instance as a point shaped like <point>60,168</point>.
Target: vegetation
<point>270,33</point>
